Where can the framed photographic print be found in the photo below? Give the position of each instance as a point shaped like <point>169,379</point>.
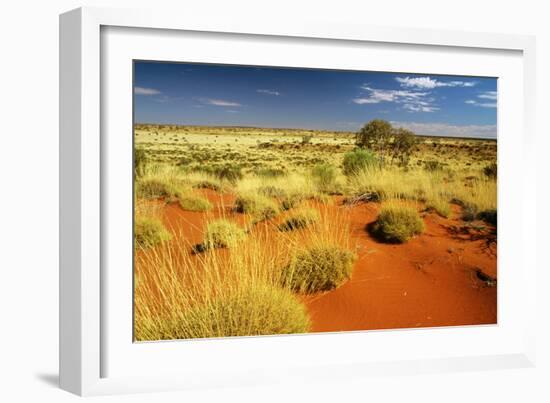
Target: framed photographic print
<point>237,198</point>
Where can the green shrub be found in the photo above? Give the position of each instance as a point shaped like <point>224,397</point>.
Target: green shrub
<point>358,160</point>
<point>397,224</point>
<point>300,219</point>
<point>319,268</point>
<point>194,203</point>
<point>324,176</point>
<point>259,310</point>
<point>148,232</point>
<point>223,234</point>
<point>259,206</point>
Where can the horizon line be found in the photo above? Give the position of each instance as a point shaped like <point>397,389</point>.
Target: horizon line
<point>307,129</point>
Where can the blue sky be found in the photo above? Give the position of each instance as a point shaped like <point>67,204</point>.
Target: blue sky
<point>223,95</point>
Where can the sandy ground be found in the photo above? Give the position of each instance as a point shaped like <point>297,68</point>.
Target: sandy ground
<point>437,279</point>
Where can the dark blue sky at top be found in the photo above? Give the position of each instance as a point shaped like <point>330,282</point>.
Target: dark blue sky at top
<point>223,95</point>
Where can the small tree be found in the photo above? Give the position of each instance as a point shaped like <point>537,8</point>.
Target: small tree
<point>402,146</point>
<point>379,136</point>
<point>375,135</point>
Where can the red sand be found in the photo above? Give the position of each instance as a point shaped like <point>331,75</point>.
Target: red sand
<point>429,281</point>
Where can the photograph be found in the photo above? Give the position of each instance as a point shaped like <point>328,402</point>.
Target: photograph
<point>277,200</point>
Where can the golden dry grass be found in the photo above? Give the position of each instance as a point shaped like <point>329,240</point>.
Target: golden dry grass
<point>245,284</point>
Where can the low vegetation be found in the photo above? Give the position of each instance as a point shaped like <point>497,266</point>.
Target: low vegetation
<point>194,203</point>
<point>324,176</point>
<point>153,188</point>
<point>149,231</point>
<point>320,268</point>
<point>299,220</point>
<point>263,310</point>
<point>217,295</point>
<point>359,160</point>
<point>397,223</point>
<point>274,208</point>
<point>223,234</point>
<point>258,206</point>
<point>440,206</point>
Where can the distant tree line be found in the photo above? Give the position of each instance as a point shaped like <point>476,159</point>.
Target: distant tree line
<point>390,143</point>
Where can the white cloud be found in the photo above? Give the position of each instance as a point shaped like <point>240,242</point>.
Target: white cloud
<point>165,99</point>
<point>220,102</point>
<point>378,95</point>
<point>430,83</point>
<point>486,97</point>
<point>443,129</point>
<point>269,92</point>
<point>420,108</point>
<point>492,95</point>
<point>413,101</point>
<point>145,91</point>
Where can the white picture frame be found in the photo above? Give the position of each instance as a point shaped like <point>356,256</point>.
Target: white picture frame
<point>88,334</point>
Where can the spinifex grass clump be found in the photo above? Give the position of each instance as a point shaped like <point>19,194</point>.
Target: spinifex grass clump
<point>301,219</point>
<point>440,206</point>
<point>320,256</point>
<point>397,223</point>
<point>153,188</point>
<point>231,173</point>
<point>359,160</point>
<point>140,161</point>
<point>287,198</point>
<point>149,231</point>
<point>223,234</point>
<point>272,191</point>
<point>324,177</point>
<point>194,203</point>
<point>261,310</point>
<point>319,268</point>
<point>179,294</point>
<point>258,206</point>
<point>208,184</point>
<point>291,200</point>
<point>270,172</point>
